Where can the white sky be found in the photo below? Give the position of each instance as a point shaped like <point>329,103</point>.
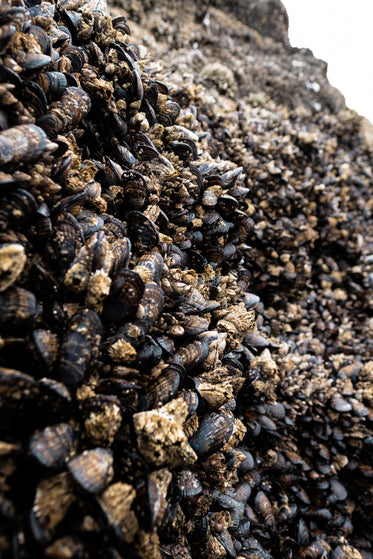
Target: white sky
<point>341,33</point>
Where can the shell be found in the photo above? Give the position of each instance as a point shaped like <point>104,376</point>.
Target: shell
<point>213,433</point>
<point>129,270</point>
<point>135,190</point>
<point>18,308</point>
<point>53,84</point>
<point>52,446</point>
<point>21,143</point>
<point>188,484</point>
<point>142,232</point>
<point>73,105</point>
<point>93,469</point>
<point>80,346</point>
<point>191,355</point>
<point>127,290</point>
<point>163,388</point>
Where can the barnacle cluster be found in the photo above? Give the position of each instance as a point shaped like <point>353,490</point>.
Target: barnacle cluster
<point>184,309</point>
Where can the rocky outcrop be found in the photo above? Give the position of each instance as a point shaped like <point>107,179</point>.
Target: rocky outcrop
<point>247,39</point>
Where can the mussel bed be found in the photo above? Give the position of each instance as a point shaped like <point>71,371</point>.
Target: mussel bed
<point>185,309</point>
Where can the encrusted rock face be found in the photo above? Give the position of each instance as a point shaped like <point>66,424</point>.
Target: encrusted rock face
<point>185,290</point>
<point>248,39</point>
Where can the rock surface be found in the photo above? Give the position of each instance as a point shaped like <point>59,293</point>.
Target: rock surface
<point>248,39</point>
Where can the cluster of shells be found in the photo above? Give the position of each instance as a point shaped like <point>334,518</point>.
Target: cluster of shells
<point>142,412</point>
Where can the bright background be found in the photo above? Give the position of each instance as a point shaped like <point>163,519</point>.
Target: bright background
<point>341,33</point>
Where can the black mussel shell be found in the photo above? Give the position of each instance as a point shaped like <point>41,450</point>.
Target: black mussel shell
<point>214,431</point>
<point>191,355</point>
<point>18,308</point>
<point>127,289</point>
<point>188,484</point>
<point>22,143</point>
<point>52,446</point>
<point>163,388</point>
<point>142,232</point>
<point>80,346</point>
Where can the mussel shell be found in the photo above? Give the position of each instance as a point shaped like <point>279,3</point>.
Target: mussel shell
<point>48,123</point>
<point>169,114</point>
<point>243,225</point>
<point>153,263</point>
<point>338,489</point>
<point>53,498</point>
<point>251,300</point>
<point>183,150</point>
<point>36,99</point>
<point>77,56</point>
<point>194,325</point>
<point>21,143</point>
<point>68,239</point>
<point>127,289</point>
<point>255,340</point>
<point>214,431</point>
<point>230,177</point>
<point>142,232</point>
<point>121,250</point>
<point>55,399</point>
<point>188,484</point>
<point>4,124</point>
<point>191,355</point>
<point>43,347</point>
<point>120,23</point>
<point>80,344</point>
<point>148,354</point>
<point>227,204</point>
<point>193,303</point>
<point>163,388</point>
<point>93,469</point>
<point>90,223</point>
<point>167,345</point>
<point>116,503</point>
<point>248,463</point>
<point>42,10</point>
<point>157,489</point>
<point>16,386</point>
<point>6,33</point>
<point>52,446</point>
<point>225,539</point>
<point>215,255</point>
<point>264,507</point>
<point>52,83</point>
<point>71,107</point>
<point>151,304</point>
<point>46,286</point>
<point>340,404</point>
<point>42,38</point>
<point>135,189</point>
<point>18,308</point>
<point>191,399</point>
<point>277,410</point>
<point>18,208</point>
<point>33,61</point>
<point>114,227</point>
